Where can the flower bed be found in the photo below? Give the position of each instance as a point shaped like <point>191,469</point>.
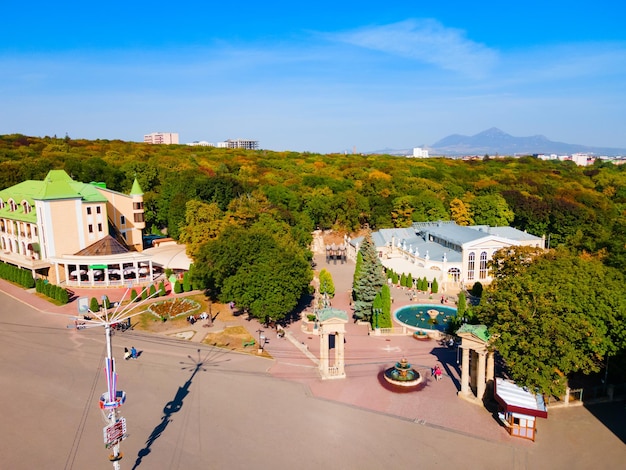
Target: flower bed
<point>173,308</point>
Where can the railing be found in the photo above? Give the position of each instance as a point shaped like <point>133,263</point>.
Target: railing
<point>397,331</point>
<point>111,283</point>
<point>608,392</point>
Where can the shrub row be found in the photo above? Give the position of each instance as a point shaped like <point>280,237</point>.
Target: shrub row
<point>55,292</point>
<point>406,280</point>
<point>17,275</point>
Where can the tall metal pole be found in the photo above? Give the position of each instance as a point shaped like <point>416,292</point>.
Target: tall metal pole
<point>116,456</point>
<point>111,400</point>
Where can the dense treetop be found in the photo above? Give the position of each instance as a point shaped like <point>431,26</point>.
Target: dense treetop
<point>553,314</point>
<point>582,207</point>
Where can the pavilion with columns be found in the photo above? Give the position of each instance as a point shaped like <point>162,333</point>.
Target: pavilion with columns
<point>332,332</point>
<point>477,365</point>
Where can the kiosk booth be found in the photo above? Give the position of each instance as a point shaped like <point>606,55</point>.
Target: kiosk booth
<point>518,408</point>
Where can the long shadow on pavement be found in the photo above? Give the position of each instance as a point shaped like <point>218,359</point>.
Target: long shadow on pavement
<point>610,414</point>
<point>176,404</point>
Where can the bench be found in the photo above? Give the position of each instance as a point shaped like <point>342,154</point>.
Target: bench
<point>249,343</point>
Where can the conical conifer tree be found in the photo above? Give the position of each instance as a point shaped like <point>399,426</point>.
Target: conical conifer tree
<point>368,280</point>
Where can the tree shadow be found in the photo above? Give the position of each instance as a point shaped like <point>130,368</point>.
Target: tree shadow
<point>174,406</point>
<point>611,414</point>
<point>448,359</point>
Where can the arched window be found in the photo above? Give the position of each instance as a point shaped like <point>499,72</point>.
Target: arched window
<point>454,274</point>
<point>12,205</point>
<point>470,266</point>
<point>483,265</point>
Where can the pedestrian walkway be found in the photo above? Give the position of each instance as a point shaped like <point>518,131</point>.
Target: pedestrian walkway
<point>295,357</point>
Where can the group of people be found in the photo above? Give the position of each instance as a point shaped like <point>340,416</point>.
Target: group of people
<point>132,354</point>
<point>192,319</point>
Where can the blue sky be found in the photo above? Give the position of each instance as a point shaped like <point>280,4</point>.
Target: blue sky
<point>317,76</point>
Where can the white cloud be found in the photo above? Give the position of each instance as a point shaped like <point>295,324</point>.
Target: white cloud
<point>426,41</point>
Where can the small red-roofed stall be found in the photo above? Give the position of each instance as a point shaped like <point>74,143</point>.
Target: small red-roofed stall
<point>519,408</point>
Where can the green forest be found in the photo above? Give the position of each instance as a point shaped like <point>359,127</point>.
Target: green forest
<point>247,218</point>
<point>583,208</point>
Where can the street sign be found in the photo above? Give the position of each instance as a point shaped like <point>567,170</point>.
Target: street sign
<point>115,432</point>
<point>83,304</point>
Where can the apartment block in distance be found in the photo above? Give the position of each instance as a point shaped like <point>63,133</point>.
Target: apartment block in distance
<point>165,138</point>
<point>239,144</point>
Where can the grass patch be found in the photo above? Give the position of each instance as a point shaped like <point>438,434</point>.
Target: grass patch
<point>234,338</point>
<point>147,321</point>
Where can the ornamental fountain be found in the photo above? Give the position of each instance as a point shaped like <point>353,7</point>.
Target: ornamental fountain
<point>402,375</point>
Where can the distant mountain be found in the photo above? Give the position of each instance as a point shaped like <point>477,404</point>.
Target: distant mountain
<point>494,141</point>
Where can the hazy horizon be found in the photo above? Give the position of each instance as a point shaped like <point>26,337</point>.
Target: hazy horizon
<point>323,78</point>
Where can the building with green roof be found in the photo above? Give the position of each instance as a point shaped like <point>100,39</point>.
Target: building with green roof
<point>43,223</point>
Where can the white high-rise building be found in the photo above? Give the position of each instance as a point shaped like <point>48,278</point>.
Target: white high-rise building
<point>161,138</point>
<point>420,153</point>
<point>239,144</point>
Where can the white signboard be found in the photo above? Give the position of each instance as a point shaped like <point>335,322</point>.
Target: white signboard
<point>83,304</point>
<point>114,433</point>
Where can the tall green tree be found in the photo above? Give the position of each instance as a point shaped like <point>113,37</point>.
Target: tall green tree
<point>492,210</point>
<point>460,213</point>
<point>385,319</point>
<point>259,271</point>
<point>461,305</point>
<point>403,208</point>
<point>561,314</point>
<point>377,311</point>
<point>370,280</point>
<point>203,222</point>
<point>327,286</point>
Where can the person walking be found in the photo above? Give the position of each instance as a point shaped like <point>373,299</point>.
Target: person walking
<point>126,354</point>
<point>133,352</point>
<point>438,373</point>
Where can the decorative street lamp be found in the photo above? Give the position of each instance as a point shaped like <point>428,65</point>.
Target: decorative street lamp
<point>111,400</point>
<point>261,339</point>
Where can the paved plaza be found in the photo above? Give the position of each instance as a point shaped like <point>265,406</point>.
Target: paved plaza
<point>191,406</point>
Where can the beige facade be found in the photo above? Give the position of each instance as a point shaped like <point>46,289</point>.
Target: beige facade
<point>127,214</point>
<point>164,138</point>
<point>44,222</point>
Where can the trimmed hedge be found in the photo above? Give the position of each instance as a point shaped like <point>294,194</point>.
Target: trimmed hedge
<point>24,278</point>
<point>57,293</point>
<point>17,275</point>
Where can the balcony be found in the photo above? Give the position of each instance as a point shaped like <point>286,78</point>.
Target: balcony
<point>23,261</point>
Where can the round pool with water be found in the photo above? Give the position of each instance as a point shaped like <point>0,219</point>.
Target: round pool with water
<point>425,316</point>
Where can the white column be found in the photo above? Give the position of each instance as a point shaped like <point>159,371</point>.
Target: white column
<point>323,352</point>
<point>490,367</point>
<point>480,376</point>
<point>339,354</point>
<point>465,365</point>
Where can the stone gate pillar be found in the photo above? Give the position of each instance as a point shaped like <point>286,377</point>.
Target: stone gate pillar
<point>477,372</point>
<point>332,322</point>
